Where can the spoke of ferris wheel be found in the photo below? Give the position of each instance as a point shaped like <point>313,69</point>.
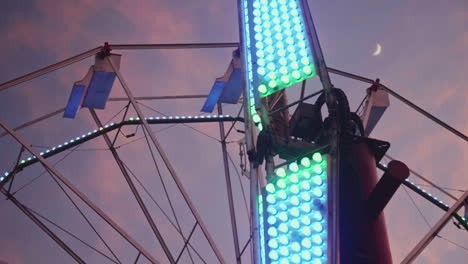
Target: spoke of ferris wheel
<point>43,227</point>
<point>115,99</point>
<point>164,188</point>
<point>80,194</point>
<point>418,249</point>
<point>402,99</point>
<point>83,215</point>
<point>227,175</point>
<point>134,190</point>
<point>96,50</point>
<point>162,210</point>
<point>168,164</point>
<point>71,234</point>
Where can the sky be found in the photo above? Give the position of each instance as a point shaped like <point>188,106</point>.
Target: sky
<point>424,58</point>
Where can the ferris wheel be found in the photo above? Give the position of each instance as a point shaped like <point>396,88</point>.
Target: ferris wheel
<point>286,183</point>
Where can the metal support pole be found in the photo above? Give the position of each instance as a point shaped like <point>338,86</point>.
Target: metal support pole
<point>434,230</point>
<point>250,145</point>
<point>403,100</point>
<point>173,46</point>
<point>96,50</point>
<point>44,228</point>
<point>168,164</point>
<point>50,68</point>
<point>334,134</point>
<point>134,190</point>
<point>81,195</point>
<point>229,187</point>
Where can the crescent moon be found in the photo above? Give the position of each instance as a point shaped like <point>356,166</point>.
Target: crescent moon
<point>378,50</point>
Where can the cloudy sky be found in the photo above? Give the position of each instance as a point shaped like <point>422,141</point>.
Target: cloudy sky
<point>424,58</point>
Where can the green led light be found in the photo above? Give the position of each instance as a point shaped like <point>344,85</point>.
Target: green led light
<point>273,255</point>
<point>294,212</point>
<point>281,183</point>
<point>294,200</point>
<point>271,220</point>
<point>261,71</point>
<point>305,162</point>
<point>305,220</point>
<point>260,126</point>
<point>317,192</point>
<point>272,83</point>
<point>280,172</point>
<point>296,74</point>
<point>256,118</point>
<point>283,70</point>
<point>317,180</point>
<point>293,178</point>
<point>293,167</point>
<point>284,251</point>
<point>307,70</point>
<point>294,189</point>
<point>282,206</point>
<point>317,239</point>
<point>317,227</point>
<point>270,187</point>
<point>305,185</point>
<point>262,88</point>
<point>283,228</point>
<point>306,231</point>
<point>272,210</point>
<point>283,216</point>
<point>317,216</point>
<point>295,259</point>
<point>285,79</point>
<point>295,246</point>
<point>270,199</point>
<point>317,157</point>
<point>282,239</point>
<point>273,243</point>
<point>306,175</point>
<point>306,243</point>
<point>272,75</point>
<point>317,169</point>
<point>282,194</point>
<point>305,196</point>
<point>272,231</point>
<point>295,224</point>
<point>305,255</point>
<point>317,251</point>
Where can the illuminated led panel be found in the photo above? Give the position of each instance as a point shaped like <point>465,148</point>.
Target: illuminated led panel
<point>294,213</point>
<point>276,43</point>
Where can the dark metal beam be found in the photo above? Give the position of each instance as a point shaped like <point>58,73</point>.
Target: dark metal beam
<point>134,190</point>
<point>227,175</point>
<point>43,227</point>
<point>403,100</point>
<point>106,129</point>
<point>174,46</point>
